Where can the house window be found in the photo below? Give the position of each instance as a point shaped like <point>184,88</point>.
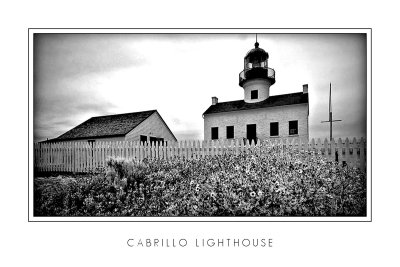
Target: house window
<point>91,142</point>
<point>143,138</point>
<point>214,133</point>
<point>153,140</point>
<point>274,129</point>
<point>254,94</point>
<point>293,127</point>
<point>229,132</point>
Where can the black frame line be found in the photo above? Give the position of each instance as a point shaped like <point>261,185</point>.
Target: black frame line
<point>203,221</point>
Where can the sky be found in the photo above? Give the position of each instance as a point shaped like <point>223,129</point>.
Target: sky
<point>78,76</point>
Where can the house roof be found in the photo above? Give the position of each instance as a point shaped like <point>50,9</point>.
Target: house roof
<point>106,126</point>
<point>272,101</point>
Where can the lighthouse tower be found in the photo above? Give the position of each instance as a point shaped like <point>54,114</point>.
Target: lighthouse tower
<point>256,78</point>
<point>258,115</point>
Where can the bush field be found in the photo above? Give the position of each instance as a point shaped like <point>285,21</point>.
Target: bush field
<point>262,182</point>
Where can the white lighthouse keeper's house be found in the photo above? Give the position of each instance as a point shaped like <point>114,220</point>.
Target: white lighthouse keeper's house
<point>258,115</point>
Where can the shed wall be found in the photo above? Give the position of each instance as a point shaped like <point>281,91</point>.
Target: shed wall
<point>153,126</point>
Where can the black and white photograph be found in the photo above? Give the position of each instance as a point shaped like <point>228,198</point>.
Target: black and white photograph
<point>196,125</point>
<point>213,133</point>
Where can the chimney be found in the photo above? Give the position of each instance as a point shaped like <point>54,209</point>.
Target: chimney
<point>214,100</point>
<point>305,88</point>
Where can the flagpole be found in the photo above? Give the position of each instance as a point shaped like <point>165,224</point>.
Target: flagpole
<point>330,111</point>
<point>331,120</point>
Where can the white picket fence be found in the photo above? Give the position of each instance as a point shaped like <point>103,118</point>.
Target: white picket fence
<point>84,157</point>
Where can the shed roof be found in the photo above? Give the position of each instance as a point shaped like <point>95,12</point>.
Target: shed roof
<point>106,126</point>
<point>272,101</point>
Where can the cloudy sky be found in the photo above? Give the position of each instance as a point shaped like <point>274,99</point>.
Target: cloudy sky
<point>78,76</point>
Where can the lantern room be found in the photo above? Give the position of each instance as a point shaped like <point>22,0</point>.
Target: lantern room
<point>256,66</point>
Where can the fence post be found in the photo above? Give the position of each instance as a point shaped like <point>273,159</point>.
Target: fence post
<point>88,156</point>
<point>72,152</point>
<point>197,149</point>
<point>44,159</point>
<point>141,151</point>
<point>205,148</point>
<point>48,156</point>
<point>340,150</point>
<point>80,144</point>
<point>51,157</point>
<point>73,156</point>
<point>133,150</point>
<point>105,146</point>
<point>126,149</point>
<point>42,155</point>
<point>63,156</point>
<point>347,150</point>
<point>99,154</point>
<point>165,150</point>
<point>66,157</point>
<point>90,152</point>
<point>76,156</point>
<point>177,149</point>
<point>355,155</point>
<point>81,157</point>
<point>192,149</point>
<point>103,153</point>
<point>332,146</point>
<point>320,146</point>
<point>186,147</point>
<point>170,150</point>
<point>99,161</point>
<point>156,148</point>
<point>326,154</point>
<point>302,144</point>
<point>35,146</point>
<point>137,151</point>
<point>160,149</point>
<point>362,154</point>
<point>148,150</point>
<point>167,147</point>
<point>84,156</point>
<point>54,155</point>
<point>34,156</point>
<point>296,144</point>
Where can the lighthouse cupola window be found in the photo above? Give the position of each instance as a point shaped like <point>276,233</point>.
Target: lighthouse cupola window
<point>256,58</point>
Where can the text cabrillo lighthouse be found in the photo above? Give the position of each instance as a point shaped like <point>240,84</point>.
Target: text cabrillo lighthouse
<point>260,115</point>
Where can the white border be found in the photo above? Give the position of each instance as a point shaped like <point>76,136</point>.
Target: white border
<point>367,218</point>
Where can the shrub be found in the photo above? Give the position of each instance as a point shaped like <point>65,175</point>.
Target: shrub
<point>263,182</point>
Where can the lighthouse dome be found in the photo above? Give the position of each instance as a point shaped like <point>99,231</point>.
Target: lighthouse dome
<point>256,66</point>
<point>256,54</point>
